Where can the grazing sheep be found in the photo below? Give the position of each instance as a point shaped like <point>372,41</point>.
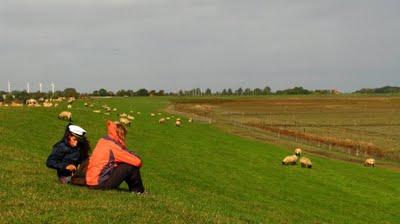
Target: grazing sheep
<point>305,162</point>
<point>152,114</point>
<point>69,106</point>
<point>289,160</point>
<point>178,119</point>
<point>47,104</point>
<point>178,123</point>
<point>56,105</point>
<point>369,162</point>
<point>161,121</point>
<point>86,104</point>
<point>31,102</point>
<point>106,113</point>
<point>115,109</point>
<point>168,118</point>
<point>297,151</point>
<point>123,115</point>
<point>97,111</point>
<point>190,120</point>
<point>130,117</point>
<point>125,121</point>
<point>71,99</point>
<point>65,115</point>
<point>15,104</point>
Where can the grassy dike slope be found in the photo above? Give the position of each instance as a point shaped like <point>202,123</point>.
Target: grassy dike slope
<point>194,174</point>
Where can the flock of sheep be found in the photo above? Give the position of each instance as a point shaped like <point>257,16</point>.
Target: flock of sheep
<point>306,162</point>
<point>124,118</point>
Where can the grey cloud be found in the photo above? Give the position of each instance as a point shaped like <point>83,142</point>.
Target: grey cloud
<point>183,44</point>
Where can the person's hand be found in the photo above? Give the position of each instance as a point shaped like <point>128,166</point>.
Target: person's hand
<point>71,167</point>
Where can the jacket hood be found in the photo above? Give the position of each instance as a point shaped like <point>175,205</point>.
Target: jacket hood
<point>112,133</point>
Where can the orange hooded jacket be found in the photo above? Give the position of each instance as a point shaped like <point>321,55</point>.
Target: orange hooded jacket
<point>110,150</point>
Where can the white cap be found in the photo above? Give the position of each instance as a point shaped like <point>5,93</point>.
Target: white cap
<point>75,129</point>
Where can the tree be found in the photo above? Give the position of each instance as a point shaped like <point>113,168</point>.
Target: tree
<point>257,91</point>
<point>70,92</point>
<point>208,92</point>
<point>142,92</point>
<point>103,92</point>
<point>247,91</point>
<point>230,92</point>
<point>267,90</point>
<point>239,91</point>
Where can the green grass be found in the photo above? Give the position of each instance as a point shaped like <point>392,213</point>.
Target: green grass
<point>194,174</point>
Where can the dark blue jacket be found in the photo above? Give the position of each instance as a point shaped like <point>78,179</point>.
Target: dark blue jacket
<point>63,155</point>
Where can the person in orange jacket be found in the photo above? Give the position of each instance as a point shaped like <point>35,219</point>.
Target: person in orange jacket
<point>111,163</point>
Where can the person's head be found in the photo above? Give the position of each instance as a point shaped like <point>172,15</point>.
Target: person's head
<point>74,135</point>
<point>121,131</point>
<point>72,140</point>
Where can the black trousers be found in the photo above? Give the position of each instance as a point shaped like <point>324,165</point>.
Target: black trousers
<point>124,172</point>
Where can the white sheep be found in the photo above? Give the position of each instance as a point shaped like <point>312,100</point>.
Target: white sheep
<point>305,162</point>
<point>123,115</point>
<point>125,121</point>
<point>178,123</point>
<point>65,115</point>
<point>152,114</point>
<point>369,162</point>
<point>97,111</point>
<point>69,106</point>
<point>190,120</point>
<point>289,160</point>
<point>161,121</point>
<point>297,151</point>
<point>130,117</point>
<point>47,104</point>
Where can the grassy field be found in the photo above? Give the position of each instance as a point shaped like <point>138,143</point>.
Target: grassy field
<point>366,125</point>
<point>194,174</point>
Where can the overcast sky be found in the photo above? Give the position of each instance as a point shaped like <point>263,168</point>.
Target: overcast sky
<point>181,44</point>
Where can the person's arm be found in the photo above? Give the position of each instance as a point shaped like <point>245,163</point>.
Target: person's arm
<point>55,158</point>
<point>124,156</point>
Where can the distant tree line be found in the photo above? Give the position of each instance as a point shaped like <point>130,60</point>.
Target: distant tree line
<point>22,96</point>
<point>385,89</point>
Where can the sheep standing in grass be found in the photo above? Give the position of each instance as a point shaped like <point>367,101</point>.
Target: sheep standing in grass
<point>125,121</point>
<point>289,160</point>
<point>115,109</point>
<point>152,114</point>
<point>161,121</point>
<point>190,120</point>
<point>168,118</point>
<point>297,151</point>
<point>178,123</point>
<point>65,115</point>
<point>123,115</point>
<point>47,104</point>
<point>97,111</point>
<point>305,162</point>
<point>69,106</point>
<point>130,117</point>
<point>369,162</point>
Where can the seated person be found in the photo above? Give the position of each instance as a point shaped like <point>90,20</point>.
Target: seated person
<point>111,163</point>
<point>69,153</point>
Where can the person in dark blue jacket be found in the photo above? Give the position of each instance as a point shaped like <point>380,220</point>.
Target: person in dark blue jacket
<point>69,153</point>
